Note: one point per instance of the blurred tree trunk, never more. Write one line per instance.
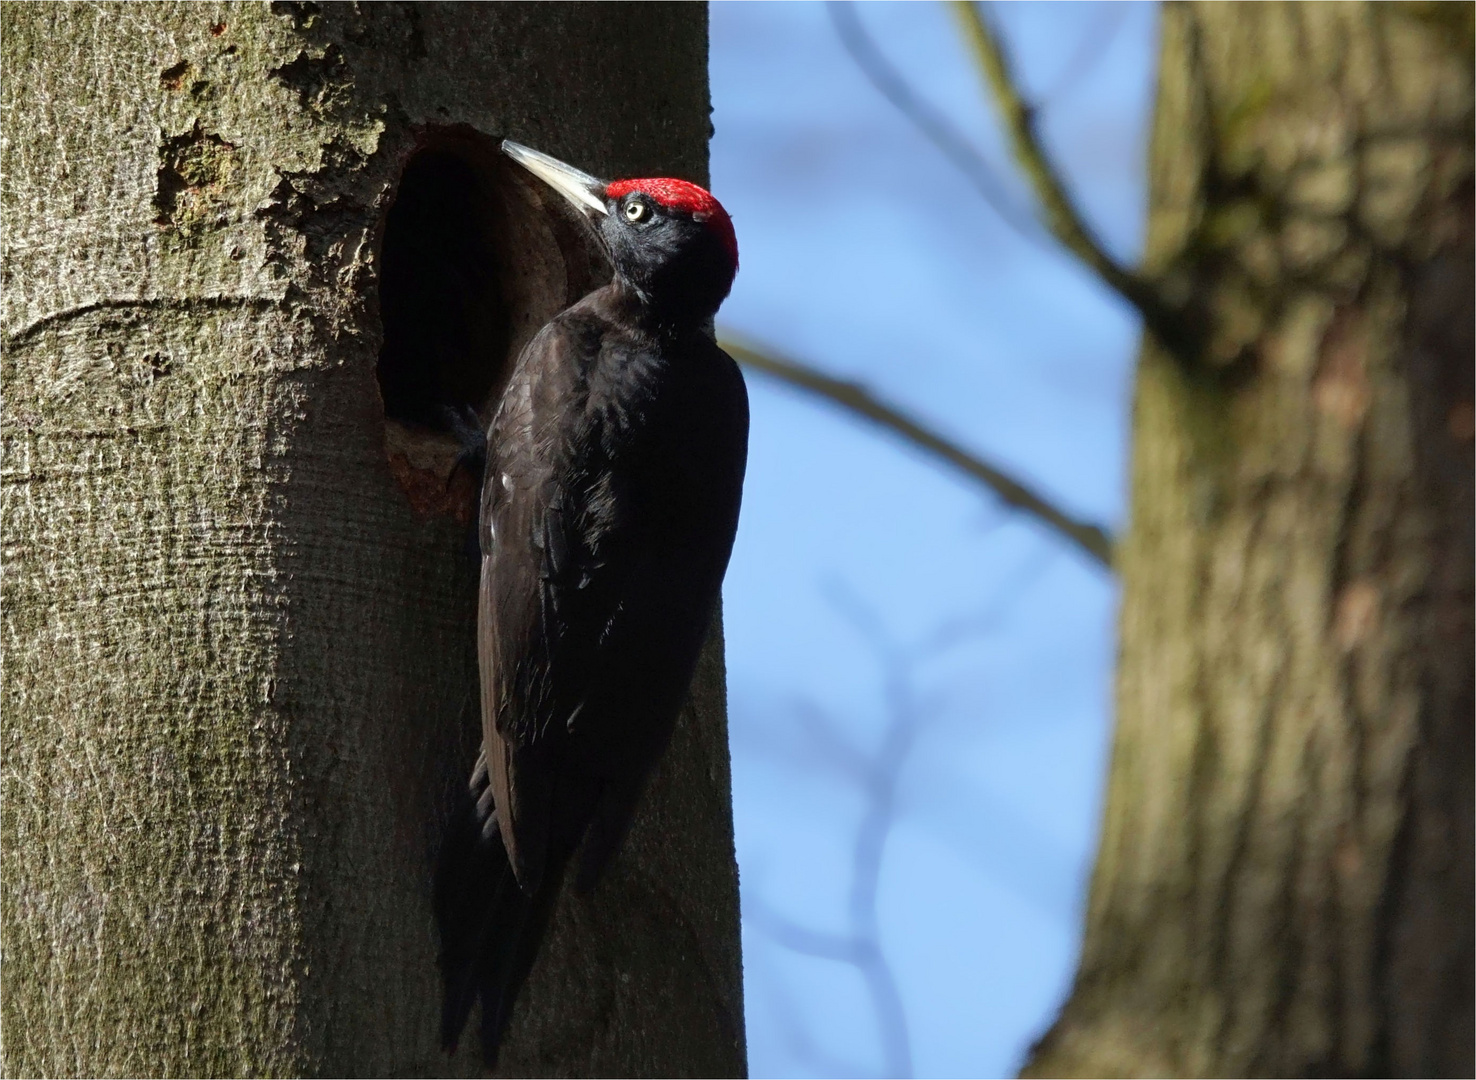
(1284, 885)
(238, 635)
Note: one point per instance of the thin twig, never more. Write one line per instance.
(860, 948)
(1088, 54)
(933, 124)
(878, 774)
(855, 398)
(1061, 215)
(880, 781)
(796, 938)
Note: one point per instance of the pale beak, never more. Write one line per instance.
(585, 192)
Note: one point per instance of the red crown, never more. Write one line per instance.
(687, 198)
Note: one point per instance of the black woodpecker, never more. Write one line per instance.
(614, 470)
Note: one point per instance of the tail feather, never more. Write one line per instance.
(490, 929)
(499, 978)
(482, 916)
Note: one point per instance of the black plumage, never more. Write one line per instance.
(614, 469)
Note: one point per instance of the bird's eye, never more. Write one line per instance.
(635, 210)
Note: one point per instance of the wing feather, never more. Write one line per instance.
(534, 651)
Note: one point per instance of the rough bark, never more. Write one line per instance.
(1284, 886)
(238, 636)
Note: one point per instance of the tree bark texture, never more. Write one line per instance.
(240, 682)
(1284, 886)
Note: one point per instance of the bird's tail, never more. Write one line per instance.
(490, 929)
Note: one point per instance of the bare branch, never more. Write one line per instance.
(832, 746)
(800, 939)
(855, 398)
(1061, 215)
(1097, 39)
(957, 631)
(934, 125)
(862, 951)
(879, 778)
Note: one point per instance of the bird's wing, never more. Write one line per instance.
(548, 587)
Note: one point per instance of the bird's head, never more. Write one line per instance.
(669, 240)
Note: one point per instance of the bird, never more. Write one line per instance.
(610, 496)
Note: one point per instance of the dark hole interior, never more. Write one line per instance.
(446, 321)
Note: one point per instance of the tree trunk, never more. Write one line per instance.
(240, 683)
(1284, 885)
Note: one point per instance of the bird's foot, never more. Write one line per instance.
(464, 423)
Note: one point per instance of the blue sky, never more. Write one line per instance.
(872, 592)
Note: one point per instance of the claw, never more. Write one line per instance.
(464, 423)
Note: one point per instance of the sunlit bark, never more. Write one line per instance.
(238, 636)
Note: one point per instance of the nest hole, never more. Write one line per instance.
(475, 257)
